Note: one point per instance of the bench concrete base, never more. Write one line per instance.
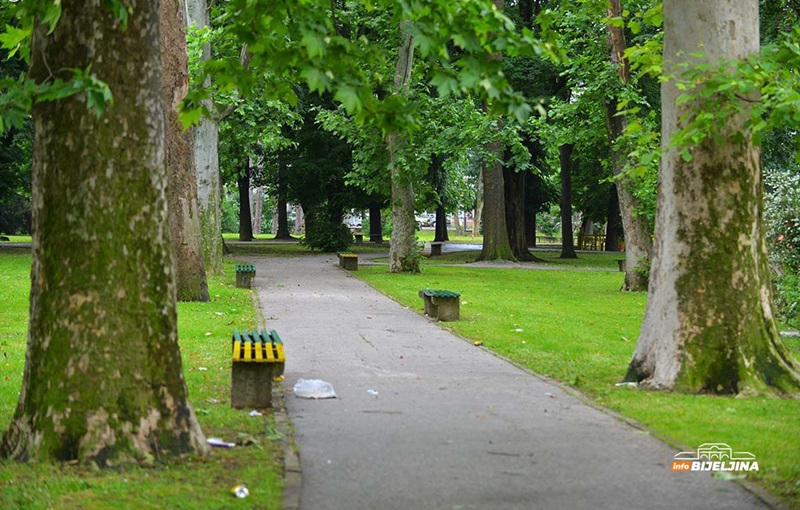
(443, 308)
(348, 261)
(436, 249)
(359, 238)
(244, 280)
(251, 385)
(244, 275)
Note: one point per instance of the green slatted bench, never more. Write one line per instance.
(348, 260)
(443, 305)
(244, 275)
(257, 359)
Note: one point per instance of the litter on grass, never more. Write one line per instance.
(215, 441)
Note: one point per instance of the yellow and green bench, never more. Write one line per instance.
(257, 359)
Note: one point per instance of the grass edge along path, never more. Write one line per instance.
(204, 332)
(579, 329)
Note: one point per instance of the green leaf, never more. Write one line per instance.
(16, 40)
(348, 96)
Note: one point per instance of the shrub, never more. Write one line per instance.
(323, 236)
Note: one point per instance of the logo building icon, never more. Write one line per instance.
(714, 457)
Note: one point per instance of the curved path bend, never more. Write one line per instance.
(425, 420)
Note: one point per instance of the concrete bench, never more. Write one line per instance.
(257, 359)
(443, 305)
(244, 275)
(348, 260)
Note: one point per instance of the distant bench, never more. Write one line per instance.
(348, 260)
(443, 305)
(244, 275)
(258, 358)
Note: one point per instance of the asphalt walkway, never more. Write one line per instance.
(425, 420)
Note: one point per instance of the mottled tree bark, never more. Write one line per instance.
(184, 213)
(402, 245)
(258, 212)
(495, 233)
(567, 237)
(102, 381)
(206, 157)
(638, 241)
(459, 228)
(708, 324)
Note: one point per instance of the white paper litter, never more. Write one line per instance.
(215, 441)
(313, 388)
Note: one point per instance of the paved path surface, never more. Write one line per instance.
(451, 426)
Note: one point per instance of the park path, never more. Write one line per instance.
(451, 425)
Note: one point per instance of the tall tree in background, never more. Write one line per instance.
(184, 213)
(206, 157)
(495, 232)
(402, 244)
(708, 324)
(102, 257)
(567, 236)
(638, 243)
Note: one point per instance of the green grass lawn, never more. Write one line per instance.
(204, 331)
(19, 239)
(578, 328)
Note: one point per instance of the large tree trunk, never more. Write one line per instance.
(283, 218)
(206, 157)
(184, 212)
(514, 183)
(299, 221)
(258, 212)
(530, 231)
(440, 227)
(245, 216)
(495, 234)
(613, 221)
(638, 242)
(438, 175)
(375, 224)
(530, 209)
(477, 219)
(402, 245)
(708, 325)
(102, 381)
(567, 237)
(459, 228)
